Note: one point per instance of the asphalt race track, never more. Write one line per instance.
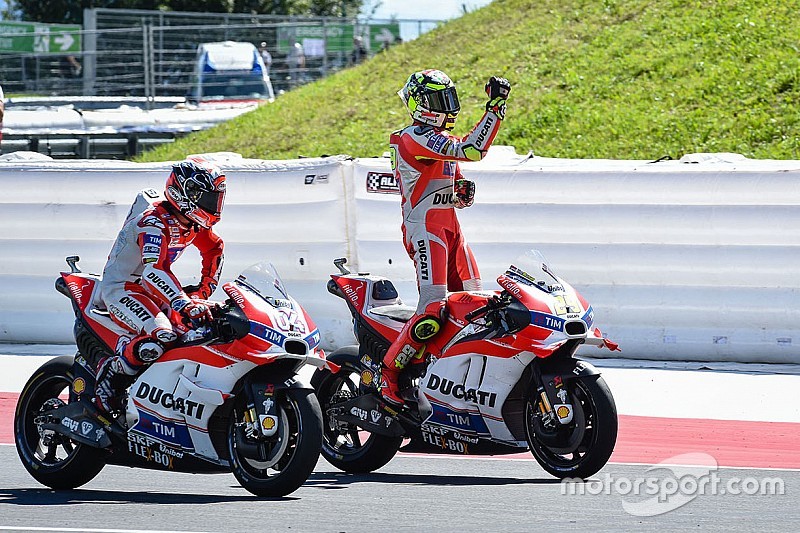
(412, 493)
(743, 452)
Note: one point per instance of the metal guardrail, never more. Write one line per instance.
(153, 53)
(86, 145)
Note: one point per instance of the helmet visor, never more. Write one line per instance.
(208, 201)
(212, 202)
(444, 101)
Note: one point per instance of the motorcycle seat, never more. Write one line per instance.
(399, 312)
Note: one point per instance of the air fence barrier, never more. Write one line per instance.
(682, 260)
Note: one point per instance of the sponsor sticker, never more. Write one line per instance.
(382, 183)
(78, 386)
(436, 142)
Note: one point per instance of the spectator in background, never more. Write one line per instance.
(69, 67)
(359, 53)
(296, 61)
(266, 57)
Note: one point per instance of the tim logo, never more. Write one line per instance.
(382, 183)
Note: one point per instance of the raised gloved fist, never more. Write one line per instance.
(497, 89)
(464, 193)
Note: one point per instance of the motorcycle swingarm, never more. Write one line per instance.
(370, 414)
(79, 422)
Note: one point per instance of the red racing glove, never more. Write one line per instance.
(464, 190)
(195, 312)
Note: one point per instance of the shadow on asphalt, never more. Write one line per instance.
(72, 497)
(338, 480)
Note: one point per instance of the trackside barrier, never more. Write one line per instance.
(682, 260)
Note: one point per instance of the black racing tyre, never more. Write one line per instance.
(582, 447)
(52, 459)
(346, 446)
(291, 454)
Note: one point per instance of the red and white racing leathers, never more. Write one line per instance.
(138, 285)
(425, 164)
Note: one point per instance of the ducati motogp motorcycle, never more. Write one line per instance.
(227, 398)
(500, 377)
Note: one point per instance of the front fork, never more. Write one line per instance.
(550, 377)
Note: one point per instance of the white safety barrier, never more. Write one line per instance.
(66, 119)
(682, 260)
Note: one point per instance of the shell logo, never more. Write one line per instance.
(268, 423)
(562, 411)
(366, 377)
(78, 386)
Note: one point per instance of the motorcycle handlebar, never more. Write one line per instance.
(491, 305)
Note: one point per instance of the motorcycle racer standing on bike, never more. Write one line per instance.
(425, 160)
(138, 285)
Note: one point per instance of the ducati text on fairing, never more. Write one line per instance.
(226, 398)
(500, 377)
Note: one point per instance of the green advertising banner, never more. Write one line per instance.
(332, 38)
(39, 38)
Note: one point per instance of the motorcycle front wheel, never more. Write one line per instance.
(280, 464)
(347, 446)
(51, 458)
(582, 447)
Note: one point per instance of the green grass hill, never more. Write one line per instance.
(619, 79)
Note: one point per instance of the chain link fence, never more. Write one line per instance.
(154, 53)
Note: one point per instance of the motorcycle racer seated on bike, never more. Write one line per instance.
(138, 286)
(425, 160)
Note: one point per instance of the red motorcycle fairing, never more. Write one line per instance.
(355, 294)
(82, 291)
(271, 327)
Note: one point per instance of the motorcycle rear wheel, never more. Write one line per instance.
(291, 454)
(52, 459)
(581, 448)
(346, 446)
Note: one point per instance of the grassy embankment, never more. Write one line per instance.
(621, 79)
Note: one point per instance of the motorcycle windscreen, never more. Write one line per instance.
(532, 269)
(263, 279)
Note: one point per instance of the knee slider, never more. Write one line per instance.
(148, 350)
(425, 328)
